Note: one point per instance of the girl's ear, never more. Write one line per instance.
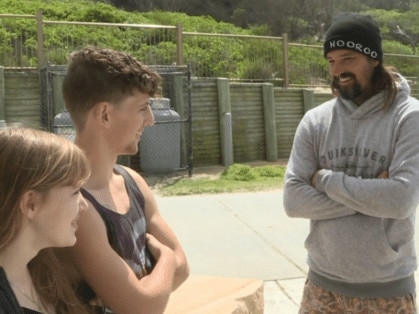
(30, 202)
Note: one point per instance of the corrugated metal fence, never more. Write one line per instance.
(253, 136)
(21, 102)
(264, 113)
(253, 140)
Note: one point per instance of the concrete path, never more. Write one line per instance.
(244, 235)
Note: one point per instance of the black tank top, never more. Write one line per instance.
(29, 311)
(126, 232)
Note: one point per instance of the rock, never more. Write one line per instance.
(220, 295)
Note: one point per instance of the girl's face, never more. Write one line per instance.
(56, 220)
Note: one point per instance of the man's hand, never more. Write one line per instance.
(158, 249)
(313, 178)
(383, 175)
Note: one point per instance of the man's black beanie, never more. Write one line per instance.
(356, 32)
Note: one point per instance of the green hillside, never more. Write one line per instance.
(91, 11)
(209, 56)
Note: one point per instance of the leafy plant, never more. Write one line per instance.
(238, 172)
(209, 56)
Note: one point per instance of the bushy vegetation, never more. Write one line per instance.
(235, 178)
(209, 56)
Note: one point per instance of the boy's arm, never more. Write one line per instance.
(158, 227)
(112, 279)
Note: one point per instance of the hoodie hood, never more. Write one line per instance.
(403, 87)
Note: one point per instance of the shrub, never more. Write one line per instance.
(238, 172)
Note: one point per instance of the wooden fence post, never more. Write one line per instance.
(40, 38)
(179, 44)
(285, 59)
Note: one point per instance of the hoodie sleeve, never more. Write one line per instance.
(396, 197)
(300, 198)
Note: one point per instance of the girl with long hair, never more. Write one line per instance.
(40, 179)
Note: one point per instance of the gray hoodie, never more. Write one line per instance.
(361, 239)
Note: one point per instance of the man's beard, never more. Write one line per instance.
(348, 92)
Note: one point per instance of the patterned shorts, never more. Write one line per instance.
(317, 300)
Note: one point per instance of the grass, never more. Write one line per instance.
(235, 178)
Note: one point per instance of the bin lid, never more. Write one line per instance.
(160, 103)
(63, 118)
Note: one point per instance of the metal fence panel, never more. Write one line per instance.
(18, 37)
(149, 44)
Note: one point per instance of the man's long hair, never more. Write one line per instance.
(382, 79)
